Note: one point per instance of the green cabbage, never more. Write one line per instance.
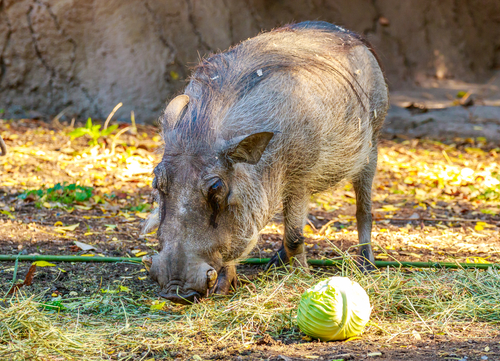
(334, 309)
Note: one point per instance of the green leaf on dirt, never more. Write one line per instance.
(157, 305)
(124, 289)
(110, 227)
(8, 214)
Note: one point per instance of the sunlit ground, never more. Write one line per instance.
(432, 202)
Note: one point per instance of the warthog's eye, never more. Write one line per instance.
(216, 196)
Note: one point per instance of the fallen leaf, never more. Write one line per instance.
(84, 208)
(142, 215)
(124, 289)
(476, 260)
(43, 264)
(109, 291)
(71, 227)
(157, 305)
(83, 246)
(8, 214)
(389, 208)
(140, 254)
(110, 227)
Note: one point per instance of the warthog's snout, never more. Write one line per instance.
(185, 299)
(187, 288)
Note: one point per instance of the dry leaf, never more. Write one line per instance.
(71, 227)
(43, 264)
(83, 246)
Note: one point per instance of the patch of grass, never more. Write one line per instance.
(124, 323)
(61, 193)
(93, 131)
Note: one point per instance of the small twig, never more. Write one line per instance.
(325, 227)
(113, 144)
(127, 325)
(418, 314)
(111, 115)
(446, 156)
(14, 277)
(132, 119)
(77, 320)
(312, 225)
(55, 121)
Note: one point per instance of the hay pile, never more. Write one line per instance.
(124, 326)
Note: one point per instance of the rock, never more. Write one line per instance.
(457, 121)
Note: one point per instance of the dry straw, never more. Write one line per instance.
(122, 325)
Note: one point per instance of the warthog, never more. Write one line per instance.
(266, 124)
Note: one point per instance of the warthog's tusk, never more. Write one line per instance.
(147, 261)
(211, 278)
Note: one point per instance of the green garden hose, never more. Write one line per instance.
(313, 262)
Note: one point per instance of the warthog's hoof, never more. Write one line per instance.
(279, 259)
(365, 265)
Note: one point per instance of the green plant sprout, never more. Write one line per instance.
(61, 193)
(93, 131)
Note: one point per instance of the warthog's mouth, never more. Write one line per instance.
(189, 293)
(188, 299)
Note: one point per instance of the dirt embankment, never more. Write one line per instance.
(89, 55)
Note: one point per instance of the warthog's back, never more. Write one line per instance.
(316, 85)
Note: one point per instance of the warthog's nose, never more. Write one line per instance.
(188, 299)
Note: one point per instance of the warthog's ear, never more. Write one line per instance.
(247, 148)
(174, 109)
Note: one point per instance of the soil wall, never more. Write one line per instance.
(89, 54)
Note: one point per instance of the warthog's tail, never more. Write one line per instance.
(3, 147)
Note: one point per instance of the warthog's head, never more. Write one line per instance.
(207, 198)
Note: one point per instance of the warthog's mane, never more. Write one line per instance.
(220, 81)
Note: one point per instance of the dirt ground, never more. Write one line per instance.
(426, 208)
